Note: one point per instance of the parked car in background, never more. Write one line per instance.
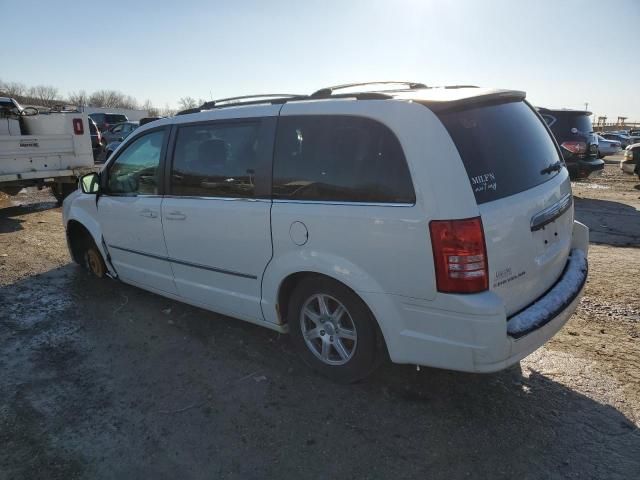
(633, 139)
(635, 132)
(484, 262)
(631, 160)
(624, 140)
(144, 121)
(105, 121)
(119, 132)
(607, 147)
(574, 133)
(96, 139)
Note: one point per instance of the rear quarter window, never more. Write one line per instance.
(504, 148)
(115, 119)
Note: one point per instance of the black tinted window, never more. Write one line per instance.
(566, 121)
(339, 158)
(215, 160)
(504, 148)
(115, 118)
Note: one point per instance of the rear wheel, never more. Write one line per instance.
(333, 331)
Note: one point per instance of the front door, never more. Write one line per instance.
(217, 216)
(129, 214)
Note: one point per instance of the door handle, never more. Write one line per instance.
(148, 213)
(175, 216)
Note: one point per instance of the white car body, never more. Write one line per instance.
(233, 255)
(56, 147)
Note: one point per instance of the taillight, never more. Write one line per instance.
(78, 127)
(460, 255)
(575, 147)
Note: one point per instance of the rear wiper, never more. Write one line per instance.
(554, 167)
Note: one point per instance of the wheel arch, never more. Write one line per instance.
(289, 282)
(82, 217)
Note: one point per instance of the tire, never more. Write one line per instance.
(344, 349)
(62, 191)
(92, 260)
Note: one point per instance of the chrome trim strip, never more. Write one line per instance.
(362, 204)
(188, 264)
(225, 199)
(548, 215)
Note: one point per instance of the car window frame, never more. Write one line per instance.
(264, 155)
(104, 177)
(347, 202)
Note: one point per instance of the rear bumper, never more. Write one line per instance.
(475, 335)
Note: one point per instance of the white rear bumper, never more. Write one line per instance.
(474, 336)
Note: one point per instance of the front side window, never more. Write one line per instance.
(339, 158)
(135, 171)
(215, 160)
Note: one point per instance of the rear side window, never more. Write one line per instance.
(97, 117)
(504, 148)
(215, 160)
(339, 158)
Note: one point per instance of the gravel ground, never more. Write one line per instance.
(103, 380)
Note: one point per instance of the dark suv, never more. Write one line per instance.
(104, 121)
(579, 145)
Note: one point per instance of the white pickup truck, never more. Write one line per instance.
(43, 149)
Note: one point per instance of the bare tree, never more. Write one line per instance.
(107, 98)
(45, 95)
(129, 102)
(79, 99)
(14, 89)
(167, 111)
(151, 110)
(185, 103)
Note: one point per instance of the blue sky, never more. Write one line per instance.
(557, 51)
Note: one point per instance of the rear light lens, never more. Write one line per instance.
(575, 147)
(460, 255)
(78, 126)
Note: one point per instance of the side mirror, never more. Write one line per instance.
(90, 183)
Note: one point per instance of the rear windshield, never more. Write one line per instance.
(114, 118)
(504, 148)
(564, 122)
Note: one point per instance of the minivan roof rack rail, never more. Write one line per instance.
(328, 91)
(244, 100)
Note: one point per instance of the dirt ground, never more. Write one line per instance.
(103, 380)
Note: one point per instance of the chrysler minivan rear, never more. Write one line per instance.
(513, 274)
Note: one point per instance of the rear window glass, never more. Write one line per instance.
(504, 148)
(564, 122)
(115, 118)
(339, 158)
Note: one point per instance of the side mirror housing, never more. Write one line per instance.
(90, 183)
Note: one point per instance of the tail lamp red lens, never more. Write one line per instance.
(460, 255)
(78, 126)
(575, 147)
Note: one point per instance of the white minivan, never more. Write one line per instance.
(434, 226)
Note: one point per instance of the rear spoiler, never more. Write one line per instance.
(499, 96)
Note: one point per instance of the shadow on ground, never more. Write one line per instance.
(611, 223)
(103, 380)
(8, 211)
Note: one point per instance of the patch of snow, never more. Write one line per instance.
(38, 304)
(566, 288)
